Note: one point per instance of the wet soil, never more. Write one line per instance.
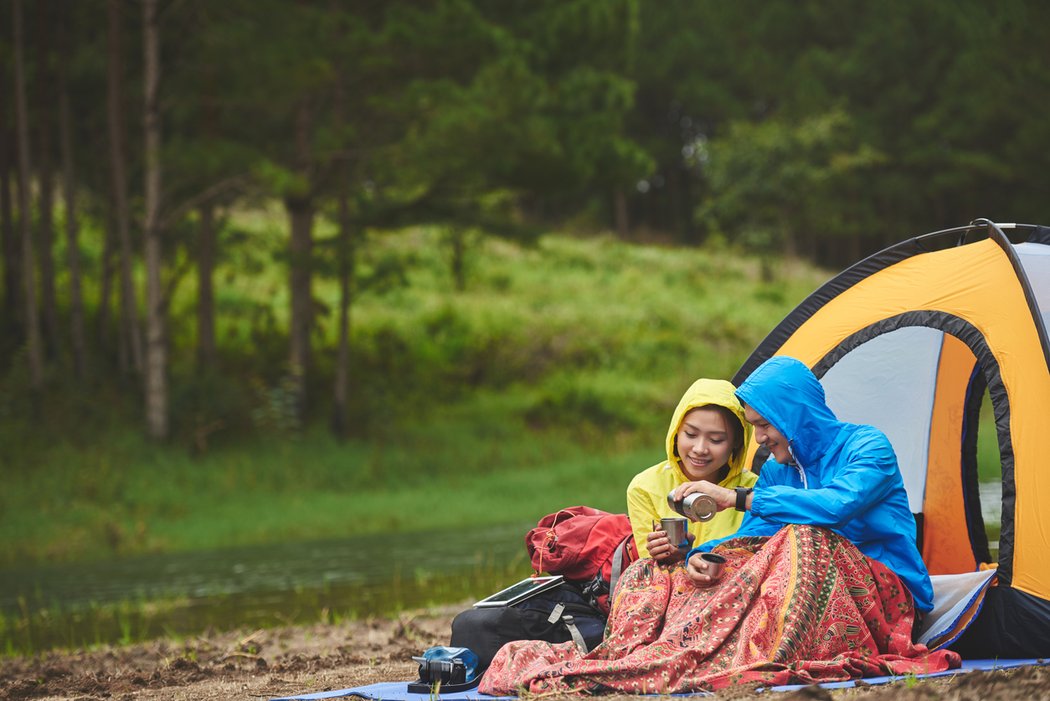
(277, 662)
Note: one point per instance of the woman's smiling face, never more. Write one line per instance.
(704, 443)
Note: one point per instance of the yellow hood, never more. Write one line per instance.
(701, 393)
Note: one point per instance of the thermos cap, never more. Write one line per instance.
(696, 506)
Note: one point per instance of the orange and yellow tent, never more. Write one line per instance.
(911, 340)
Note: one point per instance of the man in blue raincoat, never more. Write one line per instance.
(821, 472)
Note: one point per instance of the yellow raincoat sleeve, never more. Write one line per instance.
(643, 510)
(647, 502)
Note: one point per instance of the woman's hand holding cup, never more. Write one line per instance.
(660, 547)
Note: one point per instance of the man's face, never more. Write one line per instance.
(767, 435)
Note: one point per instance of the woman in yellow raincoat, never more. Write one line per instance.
(706, 440)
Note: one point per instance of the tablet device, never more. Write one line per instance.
(516, 593)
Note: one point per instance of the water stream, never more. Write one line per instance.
(137, 598)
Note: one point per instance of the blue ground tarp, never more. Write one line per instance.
(398, 691)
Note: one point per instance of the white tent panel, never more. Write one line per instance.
(889, 383)
(1035, 259)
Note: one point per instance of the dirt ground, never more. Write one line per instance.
(306, 659)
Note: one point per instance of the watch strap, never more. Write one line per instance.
(741, 497)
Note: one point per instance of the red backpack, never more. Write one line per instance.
(588, 546)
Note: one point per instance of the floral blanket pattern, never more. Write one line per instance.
(803, 606)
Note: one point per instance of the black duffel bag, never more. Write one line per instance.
(556, 616)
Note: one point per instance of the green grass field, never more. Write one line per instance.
(548, 381)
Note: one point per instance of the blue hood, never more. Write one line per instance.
(786, 394)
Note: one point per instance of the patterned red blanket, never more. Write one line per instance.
(804, 606)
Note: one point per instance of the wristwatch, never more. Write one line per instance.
(741, 497)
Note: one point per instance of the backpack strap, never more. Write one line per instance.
(617, 566)
(570, 624)
(577, 637)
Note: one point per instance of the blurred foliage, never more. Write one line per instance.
(556, 369)
(431, 148)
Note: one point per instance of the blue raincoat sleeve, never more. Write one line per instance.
(866, 476)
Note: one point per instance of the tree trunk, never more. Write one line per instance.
(207, 236)
(623, 224)
(105, 293)
(156, 351)
(457, 240)
(681, 204)
(346, 292)
(206, 246)
(345, 256)
(790, 242)
(129, 309)
(76, 296)
(9, 244)
(45, 181)
(854, 252)
(301, 213)
(33, 341)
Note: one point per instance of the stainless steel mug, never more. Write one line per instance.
(676, 528)
(715, 563)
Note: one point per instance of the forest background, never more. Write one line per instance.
(279, 270)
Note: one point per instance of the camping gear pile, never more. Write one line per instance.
(589, 548)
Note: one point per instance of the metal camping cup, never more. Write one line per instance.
(676, 527)
(697, 506)
(714, 564)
